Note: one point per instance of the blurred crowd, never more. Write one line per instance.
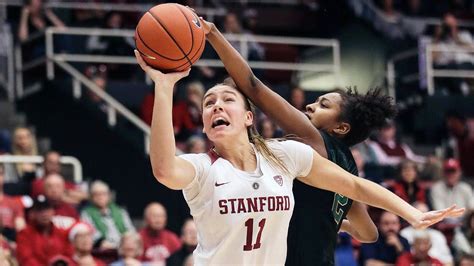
(47, 219)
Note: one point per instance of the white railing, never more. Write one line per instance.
(427, 70)
(431, 72)
(242, 39)
(76, 164)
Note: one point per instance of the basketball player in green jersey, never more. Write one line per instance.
(332, 124)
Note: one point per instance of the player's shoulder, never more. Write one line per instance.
(197, 157)
(285, 144)
(332, 142)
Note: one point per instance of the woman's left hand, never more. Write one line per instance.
(206, 25)
(158, 76)
(429, 218)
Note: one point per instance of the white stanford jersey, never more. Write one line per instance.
(242, 218)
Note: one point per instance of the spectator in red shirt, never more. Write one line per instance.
(390, 151)
(407, 186)
(65, 215)
(187, 113)
(12, 216)
(81, 238)
(158, 242)
(52, 165)
(419, 252)
(41, 241)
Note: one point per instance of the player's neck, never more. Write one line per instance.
(240, 154)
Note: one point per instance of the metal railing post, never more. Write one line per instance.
(244, 46)
(337, 63)
(19, 71)
(147, 143)
(429, 69)
(391, 79)
(49, 53)
(111, 116)
(11, 67)
(76, 86)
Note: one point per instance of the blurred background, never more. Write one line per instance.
(75, 111)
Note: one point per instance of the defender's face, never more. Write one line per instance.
(324, 113)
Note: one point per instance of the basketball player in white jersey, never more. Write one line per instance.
(240, 193)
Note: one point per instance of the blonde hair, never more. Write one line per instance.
(261, 144)
(16, 150)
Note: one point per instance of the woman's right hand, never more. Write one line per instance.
(159, 77)
(207, 26)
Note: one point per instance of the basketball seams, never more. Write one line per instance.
(192, 57)
(190, 29)
(151, 49)
(171, 36)
(167, 36)
(203, 41)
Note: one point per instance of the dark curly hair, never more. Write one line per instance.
(364, 112)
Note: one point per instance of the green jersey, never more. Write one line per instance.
(318, 213)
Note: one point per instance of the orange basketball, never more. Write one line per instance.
(170, 37)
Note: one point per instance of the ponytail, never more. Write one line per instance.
(262, 147)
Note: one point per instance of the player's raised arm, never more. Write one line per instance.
(278, 109)
(168, 169)
(326, 175)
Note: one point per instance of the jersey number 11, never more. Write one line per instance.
(248, 244)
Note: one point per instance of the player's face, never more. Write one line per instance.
(324, 113)
(224, 114)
